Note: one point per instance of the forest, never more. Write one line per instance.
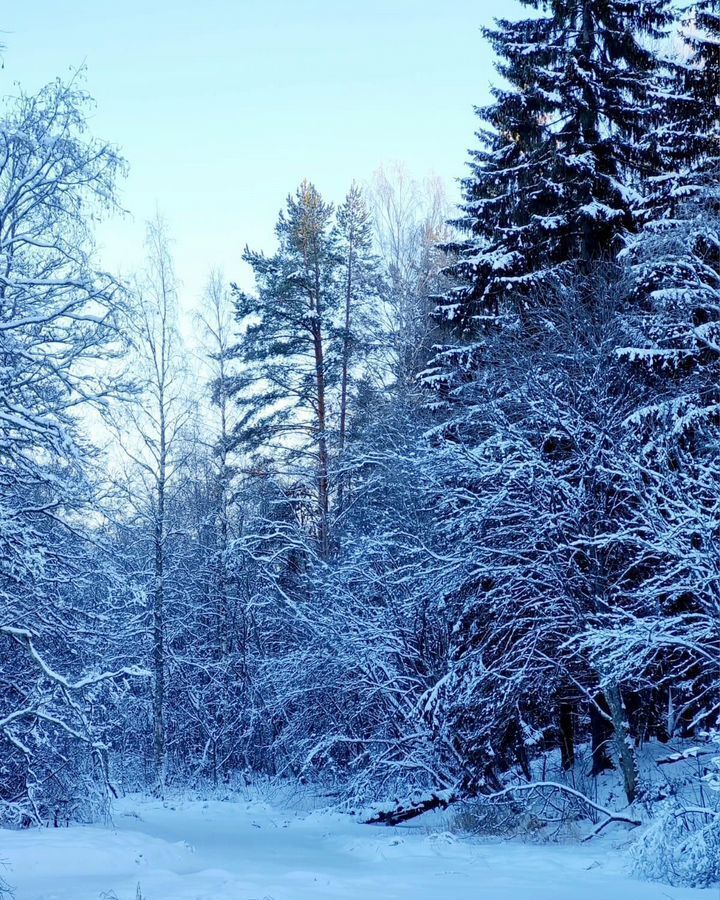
(432, 521)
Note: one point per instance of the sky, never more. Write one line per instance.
(221, 107)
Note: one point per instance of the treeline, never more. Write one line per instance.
(454, 502)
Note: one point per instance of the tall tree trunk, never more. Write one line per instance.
(223, 611)
(345, 367)
(323, 463)
(159, 654)
(323, 458)
(158, 606)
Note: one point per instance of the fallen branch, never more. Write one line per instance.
(400, 813)
(441, 800)
(684, 755)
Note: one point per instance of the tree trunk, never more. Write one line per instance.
(600, 733)
(323, 461)
(158, 607)
(567, 735)
(323, 479)
(621, 741)
(159, 669)
(223, 605)
(345, 369)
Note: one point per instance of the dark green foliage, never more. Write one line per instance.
(555, 184)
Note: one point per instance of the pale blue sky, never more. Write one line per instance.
(222, 107)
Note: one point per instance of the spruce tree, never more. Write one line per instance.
(673, 328)
(555, 182)
(551, 199)
(703, 72)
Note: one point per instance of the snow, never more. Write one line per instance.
(253, 850)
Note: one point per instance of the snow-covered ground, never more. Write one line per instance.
(252, 850)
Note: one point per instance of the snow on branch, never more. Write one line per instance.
(25, 638)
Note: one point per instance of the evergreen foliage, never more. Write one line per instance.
(555, 185)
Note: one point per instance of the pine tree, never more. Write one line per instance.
(358, 280)
(287, 353)
(555, 183)
(355, 229)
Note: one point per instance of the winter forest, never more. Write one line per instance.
(428, 526)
